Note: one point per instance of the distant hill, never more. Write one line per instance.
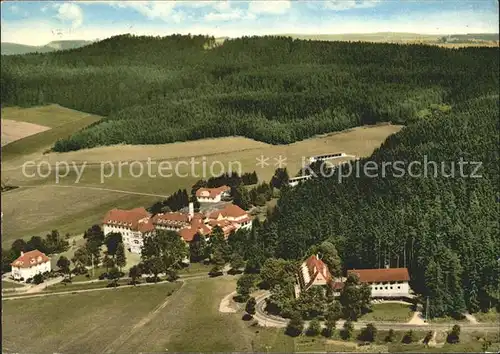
(16, 49)
(401, 37)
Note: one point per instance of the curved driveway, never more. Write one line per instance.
(266, 320)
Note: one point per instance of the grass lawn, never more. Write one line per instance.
(76, 286)
(196, 268)
(83, 323)
(389, 312)
(448, 319)
(81, 277)
(51, 115)
(490, 316)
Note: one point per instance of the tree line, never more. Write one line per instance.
(274, 89)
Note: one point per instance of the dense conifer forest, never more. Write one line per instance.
(443, 228)
(273, 89)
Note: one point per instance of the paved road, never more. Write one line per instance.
(267, 320)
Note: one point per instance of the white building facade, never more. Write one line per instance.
(133, 225)
(385, 282)
(212, 195)
(30, 264)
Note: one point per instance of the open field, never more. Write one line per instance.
(50, 116)
(37, 211)
(73, 207)
(13, 130)
(63, 122)
(388, 312)
(116, 321)
(192, 323)
(10, 285)
(77, 323)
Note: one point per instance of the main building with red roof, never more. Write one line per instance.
(137, 223)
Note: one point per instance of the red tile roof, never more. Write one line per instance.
(381, 275)
(145, 226)
(316, 266)
(173, 218)
(229, 211)
(212, 192)
(197, 226)
(30, 259)
(126, 218)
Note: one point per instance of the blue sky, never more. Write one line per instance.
(38, 23)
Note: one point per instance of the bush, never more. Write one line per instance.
(216, 271)
(327, 331)
(409, 337)
(250, 306)
(368, 334)
(172, 276)
(103, 276)
(454, 336)
(295, 326)
(38, 279)
(428, 337)
(389, 338)
(314, 328)
(241, 298)
(246, 317)
(152, 279)
(346, 332)
(29, 280)
(66, 280)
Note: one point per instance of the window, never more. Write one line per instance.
(376, 288)
(399, 287)
(386, 288)
(391, 287)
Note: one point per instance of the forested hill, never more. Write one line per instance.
(273, 89)
(445, 229)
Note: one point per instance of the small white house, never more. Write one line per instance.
(30, 264)
(212, 195)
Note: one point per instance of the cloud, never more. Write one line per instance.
(163, 10)
(341, 5)
(14, 9)
(224, 16)
(70, 12)
(275, 7)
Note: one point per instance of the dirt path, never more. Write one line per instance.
(470, 318)
(226, 305)
(417, 319)
(39, 288)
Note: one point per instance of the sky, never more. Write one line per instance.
(37, 23)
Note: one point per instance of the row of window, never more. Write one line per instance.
(385, 288)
